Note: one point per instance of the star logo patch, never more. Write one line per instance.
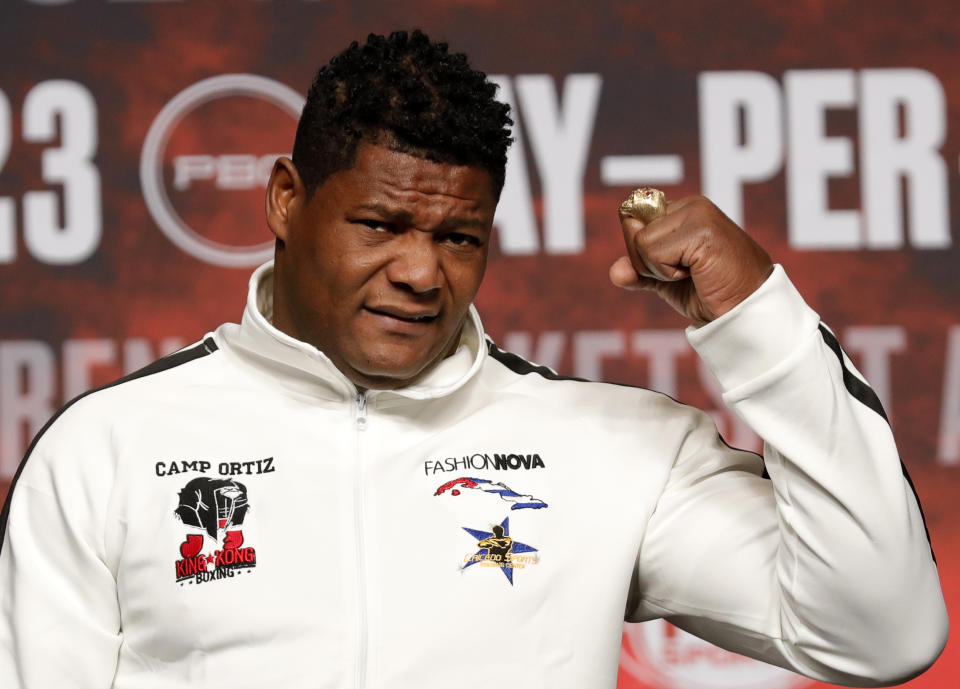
(497, 548)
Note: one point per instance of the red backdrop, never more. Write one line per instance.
(132, 171)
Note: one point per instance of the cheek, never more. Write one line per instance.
(465, 278)
(342, 275)
(348, 268)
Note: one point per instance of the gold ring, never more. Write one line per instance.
(645, 204)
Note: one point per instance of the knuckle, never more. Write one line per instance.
(708, 209)
(639, 239)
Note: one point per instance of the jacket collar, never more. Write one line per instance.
(305, 368)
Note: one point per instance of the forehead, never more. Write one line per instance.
(386, 176)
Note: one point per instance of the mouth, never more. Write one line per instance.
(405, 315)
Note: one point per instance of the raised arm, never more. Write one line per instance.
(825, 567)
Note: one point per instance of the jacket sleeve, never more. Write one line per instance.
(59, 616)
(824, 568)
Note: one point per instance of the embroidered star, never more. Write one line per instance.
(500, 543)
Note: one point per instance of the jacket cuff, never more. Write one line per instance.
(757, 334)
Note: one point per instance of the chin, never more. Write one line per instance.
(396, 370)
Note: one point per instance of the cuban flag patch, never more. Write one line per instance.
(518, 500)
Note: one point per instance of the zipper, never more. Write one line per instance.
(361, 425)
(361, 411)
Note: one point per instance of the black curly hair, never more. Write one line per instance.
(409, 94)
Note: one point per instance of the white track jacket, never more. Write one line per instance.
(237, 515)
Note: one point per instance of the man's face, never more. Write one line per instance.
(379, 267)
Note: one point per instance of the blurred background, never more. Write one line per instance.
(136, 137)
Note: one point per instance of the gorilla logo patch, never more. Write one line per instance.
(213, 510)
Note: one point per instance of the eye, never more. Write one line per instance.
(462, 239)
(377, 225)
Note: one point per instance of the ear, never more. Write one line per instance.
(286, 196)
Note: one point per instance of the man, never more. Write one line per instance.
(359, 388)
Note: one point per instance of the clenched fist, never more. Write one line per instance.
(696, 258)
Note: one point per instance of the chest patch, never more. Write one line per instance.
(501, 490)
(497, 548)
(212, 512)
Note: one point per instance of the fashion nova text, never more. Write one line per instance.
(479, 462)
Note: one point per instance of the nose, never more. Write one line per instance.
(415, 264)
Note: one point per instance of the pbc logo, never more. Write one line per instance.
(206, 160)
(214, 510)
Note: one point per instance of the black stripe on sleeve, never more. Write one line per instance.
(865, 394)
(523, 367)
(208, 346)
(856, 387)
(923, 518)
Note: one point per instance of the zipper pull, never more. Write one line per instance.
(361, 410)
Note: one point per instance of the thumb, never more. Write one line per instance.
(623, 275)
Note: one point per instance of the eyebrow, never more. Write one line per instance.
(386, 212)
(405, 217)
